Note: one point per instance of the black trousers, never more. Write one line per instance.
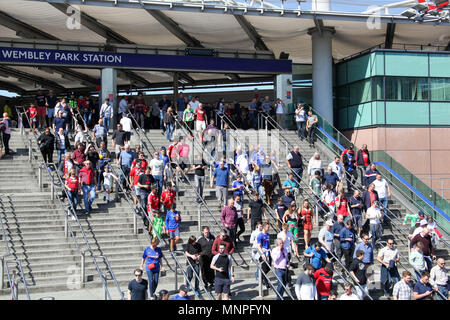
(348, 257)
(6, 137)
(265, 268)
(311, 134)
(351, 178)
(207, 272)
(241, 226)
(48, 155)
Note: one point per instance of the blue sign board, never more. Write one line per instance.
(142, 61)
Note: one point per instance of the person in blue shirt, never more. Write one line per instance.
(172, 224)
(263, 246)
(237, 187)
(163, 156)
(221, 176)
(152, 259)
(316, 254)
(182, 294)
(331, 178)
(259, 157)
(291, 184)
(347, 239)
(125, 160)
(366, 247)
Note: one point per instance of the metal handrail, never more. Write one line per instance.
(382, 243)
(197, 276)
(258, 264)
(433, 208)
(390, 215)
(139, 131)
(68, 224)
(14, 284)
(300, 181)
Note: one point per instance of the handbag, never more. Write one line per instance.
(151, 266)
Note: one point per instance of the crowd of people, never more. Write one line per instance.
(353, 225)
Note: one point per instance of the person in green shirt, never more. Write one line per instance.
(291, 185)
(7, 109)
(414, 217)
(158, 225)
(316, 187)
(188, 118)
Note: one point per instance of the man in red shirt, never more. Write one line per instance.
(324, 281)
(200, 123)
(342, 207)
(141, 157)
(153, 201)
(79, 157)
(135, 172)
(168, 197)
(225, 239)
(88, 183)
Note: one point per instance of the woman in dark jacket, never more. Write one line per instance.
(46, 142)
(169, 123)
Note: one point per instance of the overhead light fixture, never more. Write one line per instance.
(437, 3)
(184, 81)
(409, 13)
(421, 6)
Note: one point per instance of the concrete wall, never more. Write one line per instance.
(423, 151)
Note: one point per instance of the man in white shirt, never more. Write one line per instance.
(388, 257)
(300, 119)
(326, 237)
(126, 126)
(106, 114)
(242, 165)
(374, 215)
(157, 166)
(288, 239)
(254, 243)
(280, 112)
(384, 191)
(348, 295)
(337, 168)
(439, 279)
(194, 103)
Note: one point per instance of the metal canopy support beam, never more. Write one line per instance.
(175, 29)
(93, 25)
(390, 33)
(133, 77)
(319, 25)
(22, 29)
(11, 87)
(251, 32)
(185, 76)
(235, 10)
(23, 75)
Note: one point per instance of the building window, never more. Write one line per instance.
(406, 89)
(440, 89)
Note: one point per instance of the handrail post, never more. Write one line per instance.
(176, 276)
(21, 124)
(199, 218)
(2, 273)
(30, 152)
(66, 224)
(40, 177)
(83, 267)
(134, 224)
(106, 288)
(52, 188)
(261, 290)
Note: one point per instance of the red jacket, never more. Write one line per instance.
(152, 202)
(229, 247)
(323, 281)
(168, 198)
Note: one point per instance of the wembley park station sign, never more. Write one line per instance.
(87, 59)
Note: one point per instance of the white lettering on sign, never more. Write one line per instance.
(63, 57)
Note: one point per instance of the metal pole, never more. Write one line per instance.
(40, 176)
(199, 219)
(30, 152)
(21, 124)
(83, 268)
(106, 288)
(116, 198)
(261, 291)
(52, 188)
(66, 224)
(134, 224)
(2, 274)
(176, 276)
(442, 187)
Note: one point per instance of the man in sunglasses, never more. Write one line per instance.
(137, 288)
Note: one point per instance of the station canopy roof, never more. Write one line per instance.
(220, 25)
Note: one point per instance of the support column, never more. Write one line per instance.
(109, 91)
(283, 91)
(322, 61)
